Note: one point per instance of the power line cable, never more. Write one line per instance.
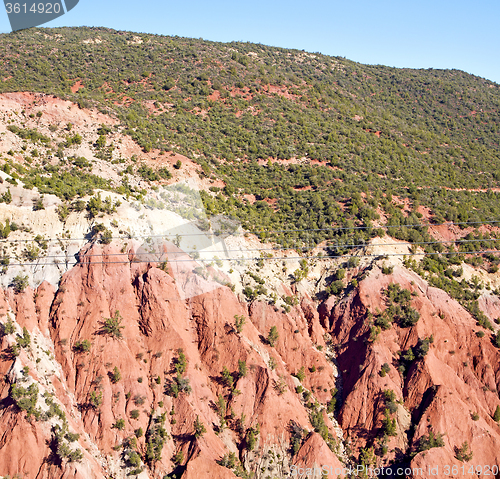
(333, 228)
(287, 258)
(360, 245)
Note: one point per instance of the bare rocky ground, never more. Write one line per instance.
(133, 305)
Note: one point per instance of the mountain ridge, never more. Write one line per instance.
(356, 323)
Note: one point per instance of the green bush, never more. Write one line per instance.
(251, 438)
(388, 424)
(335, 288)
(134, 460)
(156, 436)
(390, 401)
(496, 414)
(242, 368)
(82, 346)
(95, 399)
(332, 403)
(24, 341)
(115, 376)
(8, 327)
(113, 326)
(199, 428)
(72, 436)
(178, 458)
(301, 374)
(5, 198)
(272, 336)
(272, 363)
(227, 378)
(387, 269)
(25, 398)
(181, 362)
(239, 322)
(297, 434)
(5, 230)
(463, 453)
(119, 424)
(134, 414)
(20, 283)
(384, 369)
(179, 384)
(63, 451)
(318, 423)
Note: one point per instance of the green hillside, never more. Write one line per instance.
(377, 130)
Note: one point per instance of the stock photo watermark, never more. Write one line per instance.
(361, 470)
(29, 14)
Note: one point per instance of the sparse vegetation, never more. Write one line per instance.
(62, 448)
(272, 336)
(113, 326)
(119, 424)
(180, 363)
(179, 384)
(26, 398)
(388, 424)
(199, 428)
(95, 399)
(115, 376)
(83, 346)
(134, 414)
(464, 453)
(8, 327)
(280, 385)
(251, 437)
(242, 368)
(429, 441)
(358, 175)
(496, 414)
(301, 374)
(384, 369)
(239, 322)
(20, 283)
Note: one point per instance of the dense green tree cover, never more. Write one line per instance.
(422, 134)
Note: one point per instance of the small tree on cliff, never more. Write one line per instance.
(82, 346)
(463, 453)
(496, 416)
(497, 340)
(273, 336)
(113, 326)
(239, 321)
(115, 376)
(20, 283)
(95, 400)
(199, 428)
(242, 368)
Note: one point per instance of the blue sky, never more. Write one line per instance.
(422, 34)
